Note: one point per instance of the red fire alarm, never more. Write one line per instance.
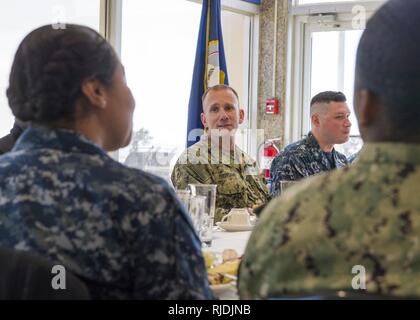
(272, 106)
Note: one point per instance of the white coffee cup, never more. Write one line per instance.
(237, 216)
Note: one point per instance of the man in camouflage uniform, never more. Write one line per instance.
(328, 231)
(315, 153)
(216, 159)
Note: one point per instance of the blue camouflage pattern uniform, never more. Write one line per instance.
(119, 229)
(353, 157)
(367, 214)
(301, 159)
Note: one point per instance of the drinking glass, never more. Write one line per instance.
(207, 221)
(184, 196)
(285, 185)
(196, 210)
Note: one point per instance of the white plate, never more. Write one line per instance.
(234, 227)
(219, 288)
(225, 291)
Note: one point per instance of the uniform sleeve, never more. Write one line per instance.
(168, 264)
(285, 168)
(259, 193)
(276, 175)
(190, 266)
(184, 174)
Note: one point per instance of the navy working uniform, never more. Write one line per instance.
(302, 159)
(119, 229)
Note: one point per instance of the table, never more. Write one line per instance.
(228, 240)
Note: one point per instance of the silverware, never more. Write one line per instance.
(229, 276)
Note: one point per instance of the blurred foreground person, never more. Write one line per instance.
(119, 229)
(358, 227)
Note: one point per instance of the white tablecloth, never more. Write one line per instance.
(228, 240)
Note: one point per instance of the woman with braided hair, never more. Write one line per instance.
(119, 229)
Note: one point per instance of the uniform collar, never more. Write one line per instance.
(313, 143)
(225, 157)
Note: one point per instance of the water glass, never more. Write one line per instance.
(196, 209)
(285, 185)
(184, 196)
(207, 221)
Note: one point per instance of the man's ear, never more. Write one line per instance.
(366, 108)
(204, 120)
(95, 93)
(315, 120)
(241, 116)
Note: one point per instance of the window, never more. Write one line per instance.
(332, 68)
(158, 44)
(236, 37)
(324, 39)
(18, 18)
(300, 2)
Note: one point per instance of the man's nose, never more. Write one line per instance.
(347, 123)
(223, 115)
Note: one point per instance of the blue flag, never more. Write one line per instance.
(210, 63)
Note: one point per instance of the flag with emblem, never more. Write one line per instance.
(210, 65)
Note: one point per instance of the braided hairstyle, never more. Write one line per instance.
(50, 67)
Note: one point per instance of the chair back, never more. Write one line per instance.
(24, 276)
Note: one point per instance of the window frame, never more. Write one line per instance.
(111, 29)
(301, 23)
(54, 13)
(253, 12)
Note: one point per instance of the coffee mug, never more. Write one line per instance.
(237, 216)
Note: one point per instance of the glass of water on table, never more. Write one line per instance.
(207, 220)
